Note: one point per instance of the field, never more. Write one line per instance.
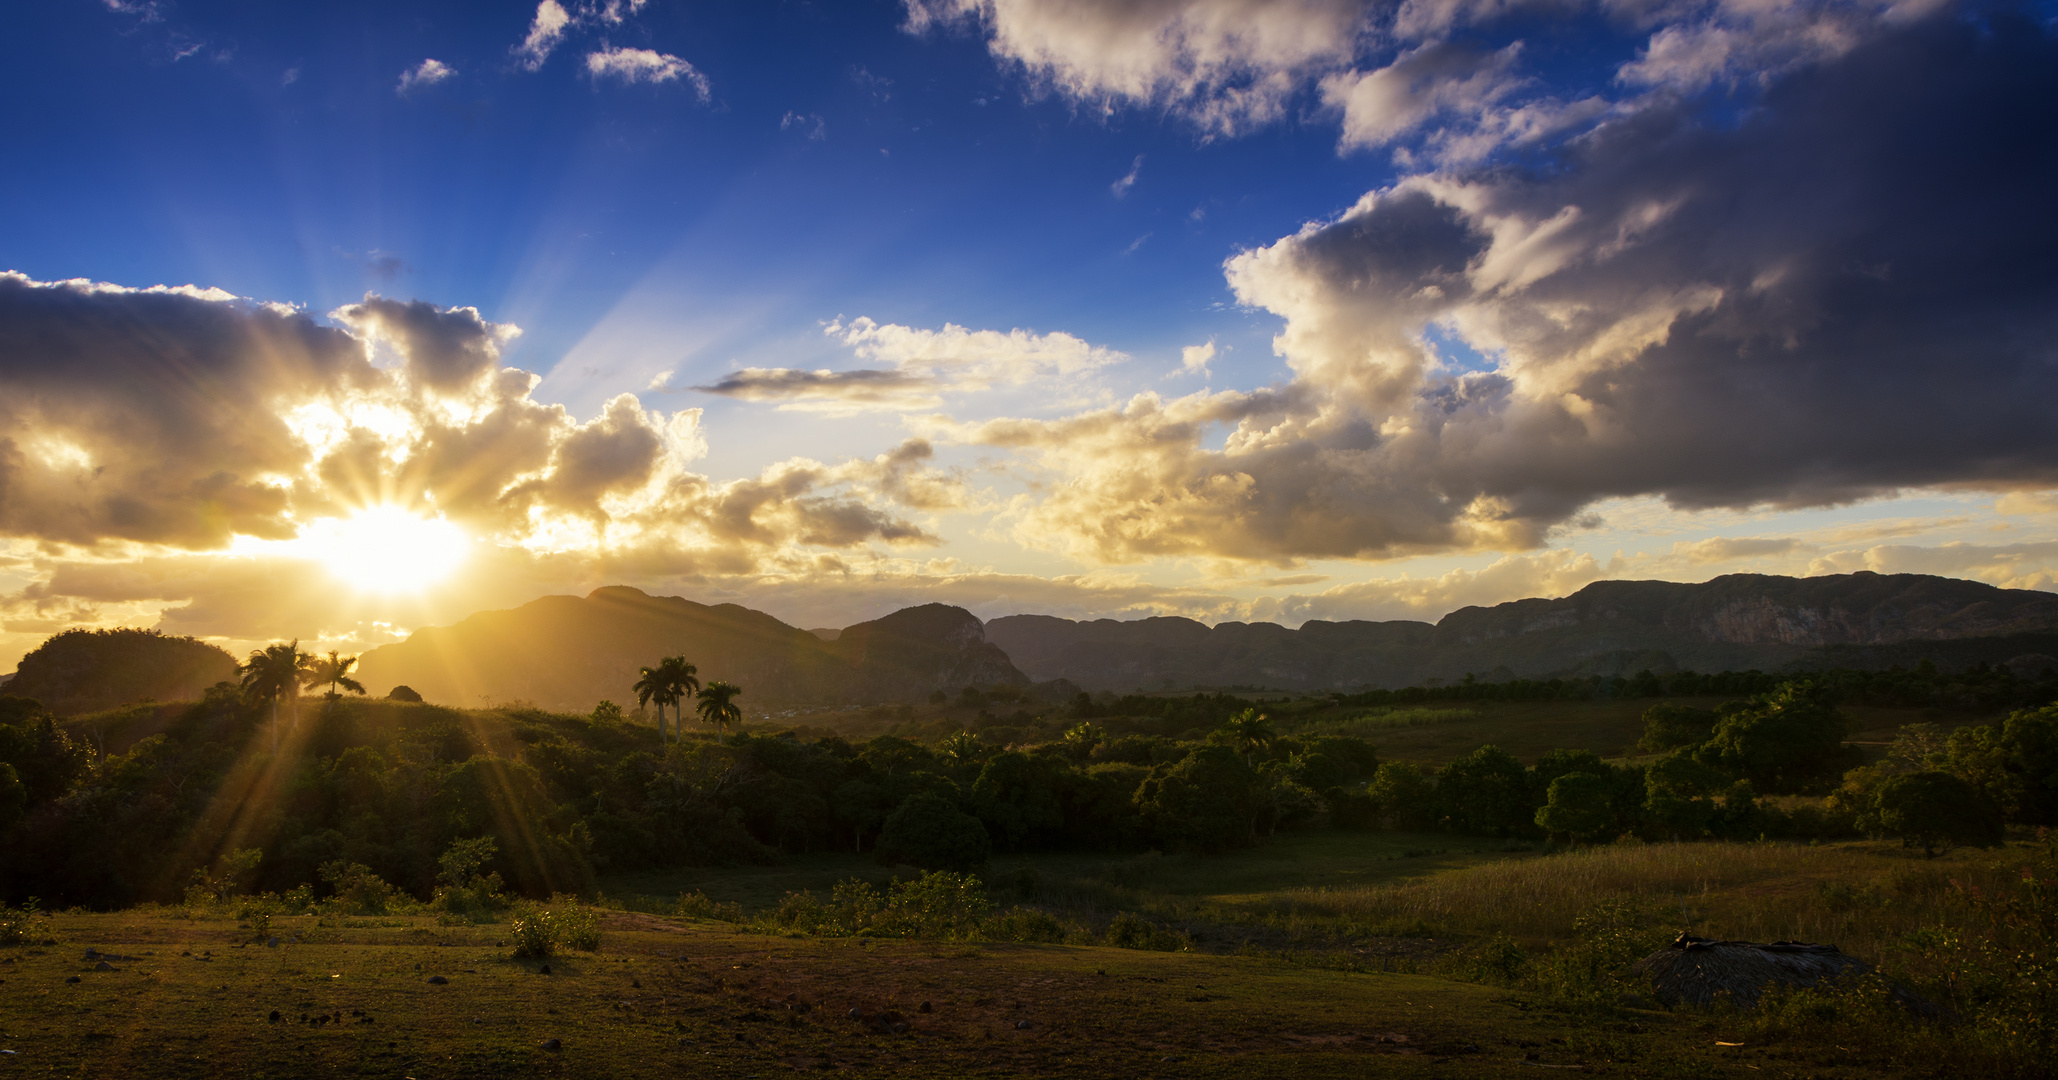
(1282, 977)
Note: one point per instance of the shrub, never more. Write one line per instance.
(17, 922)
(696, 905)
(357, 889)
(1026, 925)
(538, 931)
(1129, 930)
(939, 904)
(930, 833)
(464, 893)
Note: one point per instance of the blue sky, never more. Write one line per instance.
(1366, 264)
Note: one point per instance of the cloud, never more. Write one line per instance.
(810, 124)
(644, 66)
(184, 418)
(546, 30)
(921, 366)
(1439, 77)
(428, 73)
(1839, 295)
(1128, 180)
(1194, 358)
(1226, 65)
(1720, 549)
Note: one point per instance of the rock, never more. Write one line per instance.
(271, 943)
(925, 1007)
(897, 1028)
(438, 980)
(854, 1014)
(274, 1017)
(1023, 1025)
(544, 970)
(551, 1044)
(92, 954)
(103, 966)
(72, 979)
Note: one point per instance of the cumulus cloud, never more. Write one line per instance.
(645, 66)
(546, 30)
(185, 418)
(1840, 295)
(920, 367)
(1227, 65)
(427, 73)
(1194, 358)
(1380, 106)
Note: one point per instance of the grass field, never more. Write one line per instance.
(668, 997)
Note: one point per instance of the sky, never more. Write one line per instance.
(332, 322)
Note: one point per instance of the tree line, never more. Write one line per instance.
(240, 786)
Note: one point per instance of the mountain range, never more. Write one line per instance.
(569, 652)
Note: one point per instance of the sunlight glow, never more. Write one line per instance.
(386, 549)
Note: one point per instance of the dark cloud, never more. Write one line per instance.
(778, 384)
(151, 415)
(1842, 290)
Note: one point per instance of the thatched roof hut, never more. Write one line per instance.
(1695, 970)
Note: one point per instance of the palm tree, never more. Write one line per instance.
(332, 671)
(717, 706)
(683, 681)
(1250, 731)
(274, 673)
(962, 748)
(654, 686)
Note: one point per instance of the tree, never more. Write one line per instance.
(1207, 801)
(963, 748)
(717, 706)
(1486, 791)
(273, 674)
(2015, 765)
(929, 832)
(1579, 807)
(607, 712)
(654, 684)
(1403, 796)
(1937, 810)
(1016, 796)
(1249, 731)
(1782, 741)
(332, 671)
(404, 693)
(683, 681)
(1668, 726)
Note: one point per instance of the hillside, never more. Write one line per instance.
(1737, 622)
(81, 671)
(568, 652)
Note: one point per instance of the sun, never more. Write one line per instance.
(386, 549)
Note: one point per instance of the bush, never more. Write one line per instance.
(930, 833)
(357, 890)
(539, 931)
(1026, 925)
(463, 892)
(696, 905)
(939, 904)
(1129, 930)
(16, 923)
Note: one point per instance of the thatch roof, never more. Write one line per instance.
(1695, 970)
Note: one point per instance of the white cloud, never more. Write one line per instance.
(919, 366)
(1227, 65)
(645, 66)
(1194, 358)
(546, 30)
(427, 73)
(811, 124)
(1128, 180)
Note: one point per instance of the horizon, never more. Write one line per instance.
(335, 325)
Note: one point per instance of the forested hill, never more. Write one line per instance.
(1737, 622)
(567, 652)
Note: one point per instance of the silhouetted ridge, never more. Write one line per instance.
(1736, 622)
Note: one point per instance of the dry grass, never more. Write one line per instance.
(1861, 896)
